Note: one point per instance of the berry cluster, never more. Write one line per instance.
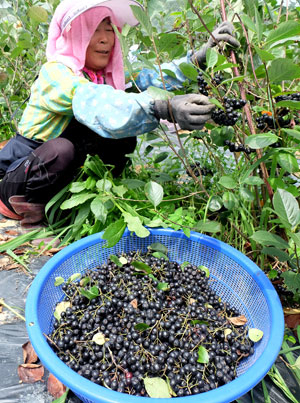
(266, 121)
(197, 170)
(202, 85)
(290, 97)
(149, 323)
(233, 147)
(217, 79)
(228, 117)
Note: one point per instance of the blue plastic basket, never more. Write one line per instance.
(235, 278)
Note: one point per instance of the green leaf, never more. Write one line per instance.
(259, 25)
(284, 30)
(158, 93)
(38, 14)
(216, 133)
(267, 239)
(134, 224)
(286, 206)
(189, 71)
(227, 182)
(296, 238)
(248, 22)
(211, 58)
(265, 56)
(215, 203)
(283, 70)
(140, 266)
(167, 41)
(160, 255)
(230, 201)
(133, 183)
(291, 105)
(77, 187)
(99, 210)
(154, 193)
(141, 327)
(116, 260)
(163, 286)
(281, 255)
(208, 226)
(114, 232)
(292, 133)
(161, 157)
(203, 356)
(157, 388)
(158, 247)
(292, 281)
(257, 141)
(90, 294)
(205, 269)
(76, 200)
(74, 277)
(246, 194)
(255, 335)
(143, 18)
(104, 185)
(288, 162)
(58, 281)
(253, 181)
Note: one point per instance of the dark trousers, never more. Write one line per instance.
(52, 165)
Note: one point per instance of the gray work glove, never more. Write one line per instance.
(224, 32)
(190, 111)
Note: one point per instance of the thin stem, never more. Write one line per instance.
(12, 309)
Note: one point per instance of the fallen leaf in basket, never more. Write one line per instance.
(134, 303)
(238, 320)
(55, 387)
(292, 321)
(30, 373)
(29, 355)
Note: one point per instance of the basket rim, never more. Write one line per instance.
(89, 390)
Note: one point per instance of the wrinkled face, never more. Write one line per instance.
(100, 47)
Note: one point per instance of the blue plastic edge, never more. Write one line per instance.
(223, 394)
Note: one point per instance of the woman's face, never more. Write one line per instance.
(100, 47)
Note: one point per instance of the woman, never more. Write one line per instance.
(78, 106)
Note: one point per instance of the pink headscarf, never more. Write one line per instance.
(70, 47)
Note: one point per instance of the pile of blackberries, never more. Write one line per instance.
(290, 97)
(234, 147)
(197, 169)
(152, 324)
(228, 117)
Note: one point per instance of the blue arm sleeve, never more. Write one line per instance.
(148, 77)
(113, 113)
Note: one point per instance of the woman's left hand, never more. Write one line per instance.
(224, 33)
